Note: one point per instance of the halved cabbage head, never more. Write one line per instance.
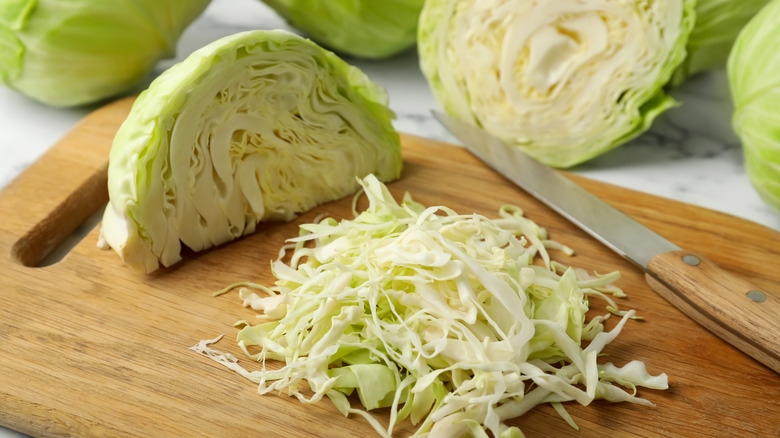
(256, 126)
(361, 28)
(565, 80)
(73, 52)
(755, 88)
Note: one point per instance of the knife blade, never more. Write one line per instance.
(733, 309)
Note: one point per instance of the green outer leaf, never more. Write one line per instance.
(471, 99)
(15, 13)
(13, 16)
(362, 28)
(11, 54)
(718, 23)
(755, 88)
(67, 53)
(182, 170)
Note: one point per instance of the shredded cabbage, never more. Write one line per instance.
(457, 322)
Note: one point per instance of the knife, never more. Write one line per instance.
(739, 313)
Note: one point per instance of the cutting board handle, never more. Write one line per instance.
(61, 190)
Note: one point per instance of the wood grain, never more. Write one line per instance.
(89, 348)
(720, 302)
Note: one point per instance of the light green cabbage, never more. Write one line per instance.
(361, 28)
(718, 23)
(457, 322)
(73, 52)
(753, 68)
(256, 126)
(565, 80)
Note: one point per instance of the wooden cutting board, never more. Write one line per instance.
(89, 348)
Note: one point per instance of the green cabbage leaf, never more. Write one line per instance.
(718, 22)
(755, 88)
(256, 126)
(368, 29)
(456, 322)
(565, 80)
(74, 52)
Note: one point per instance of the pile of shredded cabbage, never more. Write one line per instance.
(457, 322)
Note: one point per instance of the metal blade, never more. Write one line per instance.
(610, 226)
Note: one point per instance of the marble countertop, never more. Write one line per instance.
(691, 153)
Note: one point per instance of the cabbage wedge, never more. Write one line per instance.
(565, 80)
(256, 126)
(74, 52)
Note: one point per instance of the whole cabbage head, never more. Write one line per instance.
(752, 69)
(74, 52)
(368, 29)
(566, 80)
(256, 126)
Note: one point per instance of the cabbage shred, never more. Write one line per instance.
(457, 322)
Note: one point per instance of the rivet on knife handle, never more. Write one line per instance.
(730, 307)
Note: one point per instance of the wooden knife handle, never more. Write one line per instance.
(741, 314)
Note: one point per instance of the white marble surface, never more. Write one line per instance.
(690, 154)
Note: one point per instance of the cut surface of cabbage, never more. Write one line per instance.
(256, 126)
(566, 80)
(457, 322)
